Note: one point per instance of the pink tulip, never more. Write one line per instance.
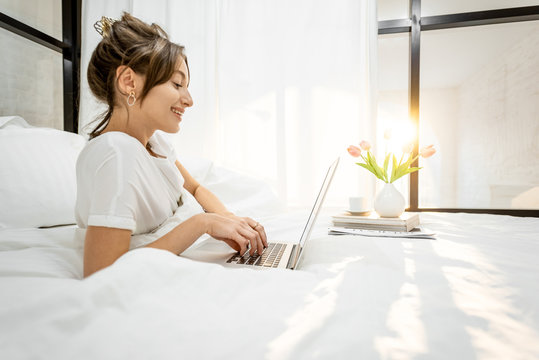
(427, 151)
(365, 145)
(354, 151)
(408, 148)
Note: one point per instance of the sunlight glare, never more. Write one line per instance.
(403, 133)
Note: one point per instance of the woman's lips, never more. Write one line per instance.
(178, 112)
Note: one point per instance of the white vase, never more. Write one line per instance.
(389, 202)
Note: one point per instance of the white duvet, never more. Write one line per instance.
(472, 293)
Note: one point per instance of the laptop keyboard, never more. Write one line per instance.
(270, 256)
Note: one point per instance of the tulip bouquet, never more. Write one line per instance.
(398, 169)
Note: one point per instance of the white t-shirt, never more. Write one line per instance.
(120, 185)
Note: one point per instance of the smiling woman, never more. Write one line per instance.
(128, 179)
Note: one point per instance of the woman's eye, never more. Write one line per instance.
(177, 85)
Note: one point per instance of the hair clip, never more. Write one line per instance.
(104, 25)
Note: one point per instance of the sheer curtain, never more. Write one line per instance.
(281, 87)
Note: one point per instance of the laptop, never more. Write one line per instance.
(284, 255)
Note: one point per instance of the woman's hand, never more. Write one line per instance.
(255, 225)
(239, 233)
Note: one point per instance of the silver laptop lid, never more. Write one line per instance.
(314, 212)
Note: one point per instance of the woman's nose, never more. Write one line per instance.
(186, 99)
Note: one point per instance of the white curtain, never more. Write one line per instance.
(281, 87)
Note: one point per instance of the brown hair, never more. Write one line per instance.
(131, 42)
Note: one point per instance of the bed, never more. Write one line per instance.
(472, 293)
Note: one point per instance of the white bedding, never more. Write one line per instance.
(472, 293)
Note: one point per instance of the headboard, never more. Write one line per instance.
(41, 83)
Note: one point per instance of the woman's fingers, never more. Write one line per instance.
(262, 232)
(239, 243)
(260, 243)
(255, 225)
(241, 238)
(253, 238)
(233, 244)
(246, 245)
(259, 240)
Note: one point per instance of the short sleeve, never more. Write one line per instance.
(112, 197)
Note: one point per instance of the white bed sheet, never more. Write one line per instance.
(470, 294)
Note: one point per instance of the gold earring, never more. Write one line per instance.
(131, 99)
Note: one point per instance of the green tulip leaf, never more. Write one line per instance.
(394, 169)
(369, 168)
(386, 164)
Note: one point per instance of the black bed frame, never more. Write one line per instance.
(71, 45)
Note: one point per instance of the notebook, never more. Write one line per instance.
(406, 222)
(284, 255)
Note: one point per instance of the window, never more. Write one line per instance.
(474, 76)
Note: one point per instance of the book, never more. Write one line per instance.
(415, 233)
(406, 222)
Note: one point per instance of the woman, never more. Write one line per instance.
(128, 180)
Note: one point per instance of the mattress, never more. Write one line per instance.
(470, 294)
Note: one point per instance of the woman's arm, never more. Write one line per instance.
(208, 201)
(211, 204)
(103, 245)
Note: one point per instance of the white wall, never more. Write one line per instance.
(30, 74)
(499, 130)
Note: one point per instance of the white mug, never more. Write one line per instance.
(359, 204)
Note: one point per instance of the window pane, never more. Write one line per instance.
(32, 82)
(393, 9)
(479, 106)
(43, 15)
(393, 55)
(441, 7)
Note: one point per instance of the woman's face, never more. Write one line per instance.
(164, 105)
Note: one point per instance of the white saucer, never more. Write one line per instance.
(359, 213)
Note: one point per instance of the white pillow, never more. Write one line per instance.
(242, 194)
(198, 167)
(38, 185)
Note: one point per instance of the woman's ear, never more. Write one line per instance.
(126, 79)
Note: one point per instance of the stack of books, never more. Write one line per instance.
(404, 223)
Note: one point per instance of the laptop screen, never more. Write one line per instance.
(316, 209)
